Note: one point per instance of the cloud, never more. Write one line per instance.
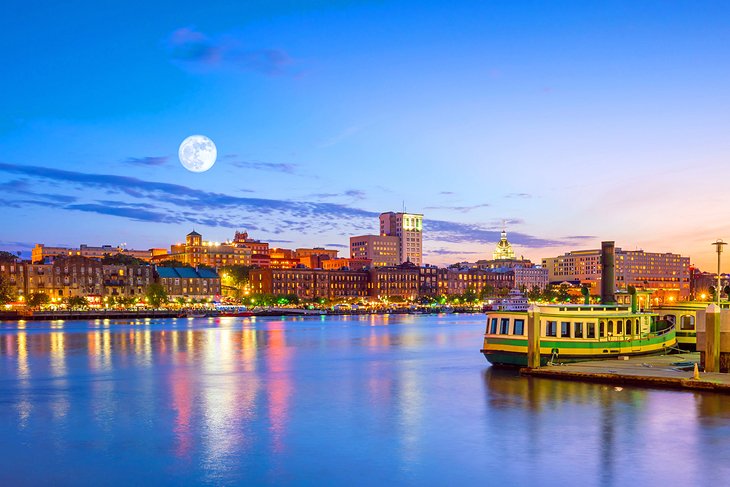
(266, 166)
(157, 202)
(448, 252)
(580, 237)
(147, 161)
(446, 192)
(351, 193)
(461, 209)
(337, 245)
(454, 232)
(518, 195)
(190, 47)
(21, 186)
(343, 135)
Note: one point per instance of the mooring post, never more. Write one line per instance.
(712, 338)
(533, 337)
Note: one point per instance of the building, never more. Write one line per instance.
(457, 280)
(530, 277)
(186, 283)
(381, 250)
(428, 280)
(259, 250)
(408, 228)
(402, 280)
(665, 273)
(346, 263)
(310, 284)
(196, 252)
(127, 281)
(12, 271)
(42, 253)
(283, 259)
(314, 258)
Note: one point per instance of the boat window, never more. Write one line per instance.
(591, 330)
(519, 327)
(578, 330)
(493, 326)
(551, 328)
(687, 322)
(629, 331)
(602, 329)
(565, 329)
(619, 327)
(671, 319)
(504, 326)
(610, 328)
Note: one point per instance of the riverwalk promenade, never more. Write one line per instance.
(673, 371)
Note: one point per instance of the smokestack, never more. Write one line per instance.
(608, 275)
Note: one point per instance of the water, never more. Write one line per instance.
(327, 401)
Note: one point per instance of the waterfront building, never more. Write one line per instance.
(457, 280)
(196, 252)
(12, 271)
(188, 283)
(702, 283)
(310, 284)
(428, 280)
(402, 280)
(665, 273)
(408, 228)
(41, 252)
(66, 276)
(127, 281)
(315, 258)
(530, 277)
(381, 250)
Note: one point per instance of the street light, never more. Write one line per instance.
(718, 244)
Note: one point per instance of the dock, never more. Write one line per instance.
(658, 371)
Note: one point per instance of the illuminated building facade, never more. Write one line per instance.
(128, 281)
(310, 284)
(666, 273)
(195, 252)
(402, 280)
(259, 250)
(41, 252)
(381, 250)
(457, 280)
(351, 264)
(188, 283)
(408, 228)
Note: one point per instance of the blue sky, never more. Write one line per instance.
(574, 121)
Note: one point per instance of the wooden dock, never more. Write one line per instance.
(658, 371)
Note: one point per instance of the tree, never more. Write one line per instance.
(486, 292)
(7, 256)
(156, 294)
(121, 259)
(36, 300)
(549, 294)
(6, 291)
(563, 295)
(77, 302)
(470, 295)
(534, 294)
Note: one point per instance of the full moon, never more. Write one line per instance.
(197, 153)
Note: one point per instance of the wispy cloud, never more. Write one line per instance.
(149, 201)
(518, 195)
(266, 166)
(337, 245)
(147, 161)
(447, 193)
(190, 47)
(448, 252)
(460, 209)
(350, 193)
(22, 187)
(341, 136)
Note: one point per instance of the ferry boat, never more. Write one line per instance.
(686, 316)
(570, 333)
(515, 301)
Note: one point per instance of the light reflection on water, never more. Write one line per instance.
(327, 400)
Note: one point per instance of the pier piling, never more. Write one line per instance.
(712, 330)
(533, 337)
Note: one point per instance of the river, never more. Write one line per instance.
(347, 400)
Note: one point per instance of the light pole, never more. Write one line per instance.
(718, 244)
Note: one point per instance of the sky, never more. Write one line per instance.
(573, 121)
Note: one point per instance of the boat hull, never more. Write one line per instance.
(512, 351)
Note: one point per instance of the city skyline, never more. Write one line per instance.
(574, 123)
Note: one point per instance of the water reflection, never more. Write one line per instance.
(379, 399)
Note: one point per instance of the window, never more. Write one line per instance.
(629, 330)
(578, 330)
(610, 327)
(519, 327)
(504, 326)
(565, 329)
(687, 322)
(619, 327)
(602, 329)
(493, 326)
(551, 328)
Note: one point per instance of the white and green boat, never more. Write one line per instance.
(570, 333)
